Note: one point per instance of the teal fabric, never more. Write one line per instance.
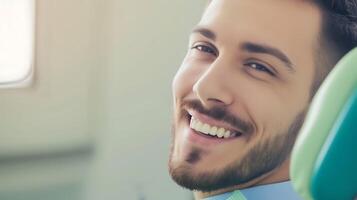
(324, 110)
(276, 191)
(335, 175)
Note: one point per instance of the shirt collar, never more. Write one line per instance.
(283, 190)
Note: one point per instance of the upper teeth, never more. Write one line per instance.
(210, 130)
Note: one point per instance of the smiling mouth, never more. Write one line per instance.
(214, 132)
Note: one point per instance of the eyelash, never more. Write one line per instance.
(205, 49)
(260, 67)
(253, 65)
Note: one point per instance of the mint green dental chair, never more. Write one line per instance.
(324, 158)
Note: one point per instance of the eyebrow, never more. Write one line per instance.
(251, 47)
(205, 32)
(265, 49)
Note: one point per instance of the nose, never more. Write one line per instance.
(211, 88)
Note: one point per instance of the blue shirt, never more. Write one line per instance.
(275, 191)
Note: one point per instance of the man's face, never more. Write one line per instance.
(242, 90)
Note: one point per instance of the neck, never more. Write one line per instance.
(278, 175)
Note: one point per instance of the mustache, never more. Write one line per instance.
(219, 113)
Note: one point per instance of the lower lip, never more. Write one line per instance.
(199, 138)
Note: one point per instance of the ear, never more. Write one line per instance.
(324, 158)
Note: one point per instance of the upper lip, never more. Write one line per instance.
(211, 121)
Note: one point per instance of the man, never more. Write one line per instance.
(244, 87)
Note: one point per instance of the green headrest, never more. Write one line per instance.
(324, 158)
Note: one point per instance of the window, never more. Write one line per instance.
(17, 27)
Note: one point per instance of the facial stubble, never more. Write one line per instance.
(261, 159)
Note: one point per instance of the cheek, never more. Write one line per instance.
(267, 108)
(178, 86)
(183, 81)
(274, 112)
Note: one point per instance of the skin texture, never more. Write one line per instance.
(226, 71)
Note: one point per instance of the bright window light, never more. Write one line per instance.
(17, 27)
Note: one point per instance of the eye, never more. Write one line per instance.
(260, 67)
(205, 49)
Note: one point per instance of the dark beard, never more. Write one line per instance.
(260, 160)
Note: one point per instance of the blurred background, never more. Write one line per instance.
(92, 120)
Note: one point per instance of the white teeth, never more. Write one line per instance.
(220, 134)
(199, 126)
(227, 134)
(213, 130)
(206, 129)
(221, 131)
(210, 130)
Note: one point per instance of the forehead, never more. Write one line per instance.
(292, 26)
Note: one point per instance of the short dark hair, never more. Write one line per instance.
(340, 23)
(338, 35)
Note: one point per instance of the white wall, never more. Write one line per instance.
(143, 45)
(53, 112)
(103, 71)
